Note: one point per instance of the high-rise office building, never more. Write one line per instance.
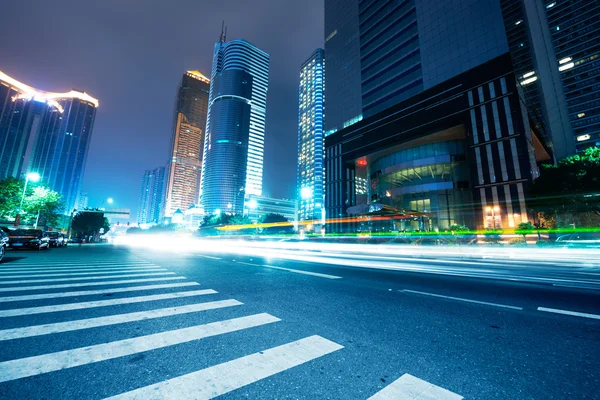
(342, 46)
(311, 108)
(536, 67)
(44, 132)
(189, 125)
(235, 55)
(151, 196)
(575, 29)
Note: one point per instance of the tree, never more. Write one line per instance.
(11, 190)
(275, 219)
(134, 230)
(571, 186)
(47, 203)
(524, 228)
(89, 223)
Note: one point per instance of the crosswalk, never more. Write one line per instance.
(74, 287)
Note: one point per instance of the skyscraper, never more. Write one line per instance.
(44, 132)
(575, 31)
(536, 67)
(311, 108)
(342, 46)
(151, 196)
(189, 126)
(235, 55)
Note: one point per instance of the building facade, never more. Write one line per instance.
(575, 29)
(48, 133)
(537, 69)
(461, 152)
(227, 143)
(311, 108)
(342, 46)
(151, 196)
(259, 206)
(241, 55)
(189, 126)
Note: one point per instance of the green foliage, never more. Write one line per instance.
(11, 190)
(134, 230)
(524, 228)
(164, 228)
(89, 223)
(273, 219)
(45, 201)
(459, 228)
(573, 185)
(492, 236)
(517, 242)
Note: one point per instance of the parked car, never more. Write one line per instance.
(28, 239)
(3, 244)
(56, 239)
(65, 240)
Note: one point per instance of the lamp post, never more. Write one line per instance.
(33, 177)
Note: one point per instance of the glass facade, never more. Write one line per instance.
(575, 26)
(243, 56)
(311, 100)
(227, 143)
(44, 132)
(189, 126)
(342, 47)
(151, 196)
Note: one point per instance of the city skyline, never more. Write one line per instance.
(136, 82)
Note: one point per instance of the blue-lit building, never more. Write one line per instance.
(311, 109)
(342, 46)
(238, 55)
(227, 142)
(575, 29)
(151, 196)
(44, 132)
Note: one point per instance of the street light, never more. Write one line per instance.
(306, 193)
(110, 200)
(33, 177)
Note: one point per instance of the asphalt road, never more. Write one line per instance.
(95, 321)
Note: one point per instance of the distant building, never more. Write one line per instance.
(234, 144)
(311, 109)
(82, 201)
(342, 49)
(189, 125)
(48, 133)
(259, 206)
(461, 152)
(151, 196)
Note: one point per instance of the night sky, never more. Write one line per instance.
(131, 54)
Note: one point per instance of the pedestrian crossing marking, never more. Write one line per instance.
(36, 365)
(86, 284)
(85, 278)
(223, 378)
(8, 271)
(102, 303)
(38, 330)
(69, 273)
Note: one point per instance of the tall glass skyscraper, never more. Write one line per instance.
(575, 30)
(238, 55)
(189, 126)
(311, 101)
(151, 196)
(44, 132)
(342, 46)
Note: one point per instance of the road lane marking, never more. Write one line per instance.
(92, 292)
(461, 299)
(38, 330)
(55, 264)
(85, 284)
(223, 378)
(69, 273)
(102, 303)
(297, 271)
(576, 286)
(7, 271)
(408, 387)
(36, 365)
(211, 257)
(566, 312)
(84, 278)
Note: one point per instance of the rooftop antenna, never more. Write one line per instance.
(223, 33)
